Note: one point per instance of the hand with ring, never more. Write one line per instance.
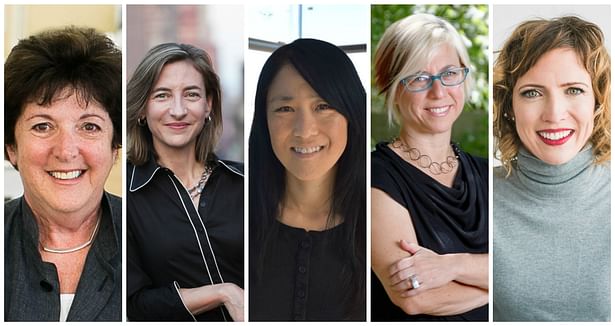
(422, 271)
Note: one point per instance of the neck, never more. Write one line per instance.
(183, 164)
(436, 146)
(307, 204)
(62, 229)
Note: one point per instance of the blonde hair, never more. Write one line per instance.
(528, 42)
(405, 48)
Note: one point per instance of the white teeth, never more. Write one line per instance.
(307, 150)
(65, 175)
(555, 135)
(439, 110)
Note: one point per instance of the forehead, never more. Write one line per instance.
(66, 105)
(179, 72)
(289, 83)
(441, 56)
(561, 65)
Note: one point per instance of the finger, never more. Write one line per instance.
(411, 293)
(410, 247)
(401, 277)
(400, 265)
(403, 286)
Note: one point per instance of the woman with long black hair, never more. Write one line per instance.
(307, 187)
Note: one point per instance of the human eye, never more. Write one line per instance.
(324, 107)
(575, 91)
(450, 73)
(421, 78)
(42, 127)
(530, 93)
(160, 96)
(193, 95)
(91, 127)
(283, 109)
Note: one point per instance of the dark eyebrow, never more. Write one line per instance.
(40, 115)
(166, 89)
(91, 115)
(283, 98)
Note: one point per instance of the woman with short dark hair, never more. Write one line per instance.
(63, 129)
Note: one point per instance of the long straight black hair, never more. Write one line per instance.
(332, 75)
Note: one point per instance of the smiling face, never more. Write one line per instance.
(307, 135)
(64, 155)
(177, 107)
(434, 110)
(553, 104)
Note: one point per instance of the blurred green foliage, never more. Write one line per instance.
(471, 129)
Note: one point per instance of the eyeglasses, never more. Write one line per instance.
(421, 82)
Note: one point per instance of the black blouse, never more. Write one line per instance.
(446, 220)
(172, 246)
(301, 279)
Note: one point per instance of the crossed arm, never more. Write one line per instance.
(450, 284)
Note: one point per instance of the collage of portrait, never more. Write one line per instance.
(293, 162)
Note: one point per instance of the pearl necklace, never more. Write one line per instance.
(424, 161)
(74, 249)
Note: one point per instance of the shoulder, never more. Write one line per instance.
(12, 211)
(115, 207)
(234, 167)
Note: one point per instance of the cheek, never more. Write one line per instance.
(275, 134)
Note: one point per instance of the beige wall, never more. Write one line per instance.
(23, 21)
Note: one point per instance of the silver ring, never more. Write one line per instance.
(415, 282)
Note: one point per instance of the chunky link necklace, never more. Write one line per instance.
(424, 161)
(77, 248)
(198, 188)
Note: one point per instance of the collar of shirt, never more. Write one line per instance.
(141, 175)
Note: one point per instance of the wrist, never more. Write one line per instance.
(454, 263)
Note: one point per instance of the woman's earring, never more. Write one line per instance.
(208, 120)
(141, 122)
(509, 118)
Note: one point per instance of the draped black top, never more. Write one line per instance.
(446, 220)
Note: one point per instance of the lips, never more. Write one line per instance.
(555, 137)
(66, 175)
(307, 150)
(177, 125)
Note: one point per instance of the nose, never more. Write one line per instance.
(178, 109)
(555, 110)
(437, 89)
(305, 124)
(66, 147)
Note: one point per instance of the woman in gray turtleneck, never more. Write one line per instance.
(551, 229)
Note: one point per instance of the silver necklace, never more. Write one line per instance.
(424, 161)
(198, 188)
(77, 248)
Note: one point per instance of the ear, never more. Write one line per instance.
(209, 108)
(11, 150)
(115, 154)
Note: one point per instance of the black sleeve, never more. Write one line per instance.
(384, 178)
(146, 302)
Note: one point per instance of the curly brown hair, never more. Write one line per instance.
(528, 42)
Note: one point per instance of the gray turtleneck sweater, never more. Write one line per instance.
(552, 240)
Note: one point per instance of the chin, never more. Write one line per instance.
(557, 159)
